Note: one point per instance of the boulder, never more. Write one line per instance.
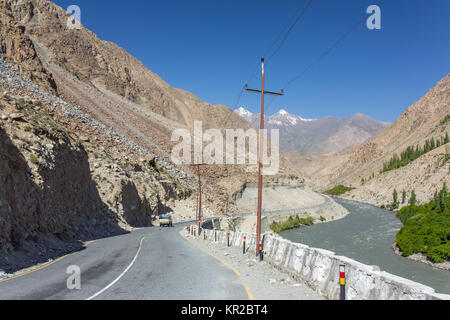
(16, 116)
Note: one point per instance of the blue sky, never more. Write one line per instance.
(210, 48)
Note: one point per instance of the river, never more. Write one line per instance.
(367, 235)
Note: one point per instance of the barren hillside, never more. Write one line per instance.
(359, 167)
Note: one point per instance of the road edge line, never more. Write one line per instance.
(121, 275)
(46, 265)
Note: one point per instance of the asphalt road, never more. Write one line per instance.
(147, 264)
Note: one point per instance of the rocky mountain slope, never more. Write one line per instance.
(329, 134)
(114, 88)
(360, 166)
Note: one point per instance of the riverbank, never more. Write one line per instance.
(422, 258)
(418, 257)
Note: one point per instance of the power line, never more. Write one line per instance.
(325, 54)
(269, 105)
(290, 30)
(254, 73)
(328, 51)
(283, 30)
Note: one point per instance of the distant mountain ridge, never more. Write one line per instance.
(329, 134)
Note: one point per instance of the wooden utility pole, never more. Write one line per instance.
(198, 215)
(260, 154)
(196, 210)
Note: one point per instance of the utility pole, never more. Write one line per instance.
(196, 210)
(260, 154)
(198, 215)
(226, 207)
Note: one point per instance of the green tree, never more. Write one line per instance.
(436, 200)
(403, 197)
(413, 198)
(395, 203)
(443, 195)
(412, 202)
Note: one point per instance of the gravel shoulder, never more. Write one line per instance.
(262, 280)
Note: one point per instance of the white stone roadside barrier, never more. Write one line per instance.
(320, 270)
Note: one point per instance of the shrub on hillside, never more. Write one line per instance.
(338, 190)
(291, 223)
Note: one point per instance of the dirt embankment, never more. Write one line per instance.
(279, 203)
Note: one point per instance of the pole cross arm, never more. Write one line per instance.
(267, 92)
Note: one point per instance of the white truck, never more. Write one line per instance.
(165, 220)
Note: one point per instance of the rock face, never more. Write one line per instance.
(329, 134)
(17, 45)
(52, 205)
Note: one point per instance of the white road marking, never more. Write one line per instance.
(121, 275)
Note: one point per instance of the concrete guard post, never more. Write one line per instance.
(342, 280)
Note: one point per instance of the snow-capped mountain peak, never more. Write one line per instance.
(285, 118)
(281, 118)
(243, 112)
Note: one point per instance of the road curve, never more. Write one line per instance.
(147, 264)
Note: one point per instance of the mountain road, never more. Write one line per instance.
(146, 264)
